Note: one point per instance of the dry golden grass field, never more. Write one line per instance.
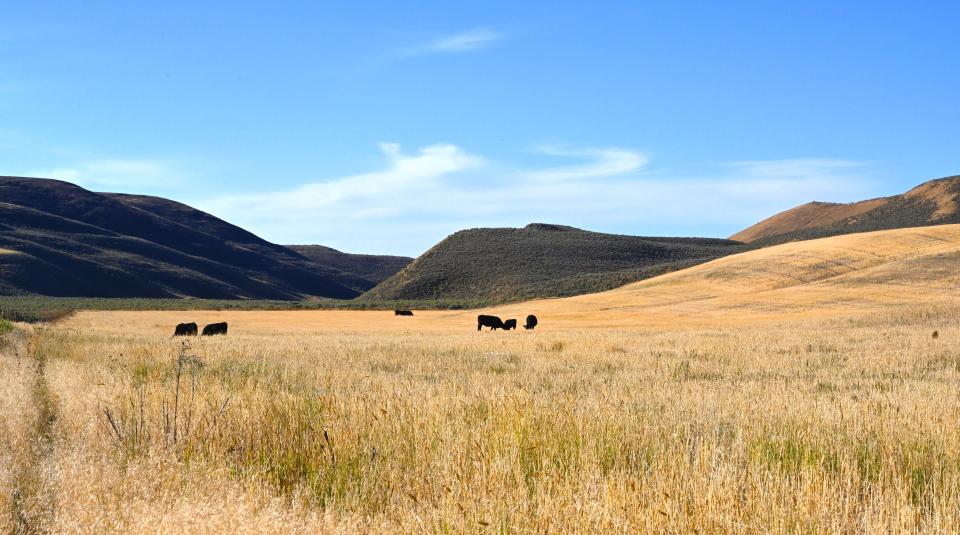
(812, 387)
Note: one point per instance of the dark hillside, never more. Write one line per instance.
(197, 220)
(65, 240)
(539, 260)
(375, 268)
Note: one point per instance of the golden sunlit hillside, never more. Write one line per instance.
(838, 275)
(934, 202)
(847, 274)
(811, 215)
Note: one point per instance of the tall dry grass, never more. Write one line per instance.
(17, 423)
(821, 427)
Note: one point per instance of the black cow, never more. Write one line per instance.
(489, 321)
(510, 324)
(402, 312)
(531, 322)
(215, 328)
(185, 329)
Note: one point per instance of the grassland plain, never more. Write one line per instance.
(807, 388)
(839, 425)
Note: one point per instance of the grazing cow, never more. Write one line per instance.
(510, 324)
(402, 312)
(215, 328)
(531, 322)
(489, 321)
(185, 329)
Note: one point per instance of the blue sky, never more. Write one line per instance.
(383, 127)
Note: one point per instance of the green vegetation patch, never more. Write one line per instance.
(36, 308)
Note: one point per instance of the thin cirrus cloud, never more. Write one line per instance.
(600, 162)
(367, 193)
(468, 41)
(417, 198)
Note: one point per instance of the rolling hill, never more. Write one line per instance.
(539, 260)
(58, 239)
(64, 240)
(897, 273)
(931, 203)
(870, 272)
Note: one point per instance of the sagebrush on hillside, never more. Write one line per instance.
(509, 264)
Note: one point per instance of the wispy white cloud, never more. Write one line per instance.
(129, 174)
(602, 163)
(467, 41)
(461, 42)
(419, 198)
(365, 194)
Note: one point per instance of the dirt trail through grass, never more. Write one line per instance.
(31, 507)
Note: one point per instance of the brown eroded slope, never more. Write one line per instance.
(931, 203)
(811, 215)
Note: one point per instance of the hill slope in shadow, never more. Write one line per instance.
(68, 241)
(374, 268)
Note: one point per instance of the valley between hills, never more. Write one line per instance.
(749, 386)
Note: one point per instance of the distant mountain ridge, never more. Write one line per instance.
(375, 268)
(932, 203)
(540, 260)
(68, 241)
